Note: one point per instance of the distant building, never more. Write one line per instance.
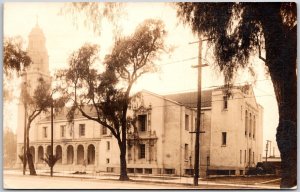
(163, 144)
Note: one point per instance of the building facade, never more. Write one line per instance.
(163, 142)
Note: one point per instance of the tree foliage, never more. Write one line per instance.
(94, 13)
(237, 30)
(51, 160)
(104, 96)
(36, 101)
(15, 59)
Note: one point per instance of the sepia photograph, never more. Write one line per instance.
(149, 95)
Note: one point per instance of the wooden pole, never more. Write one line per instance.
(51, 158)
(197, 143)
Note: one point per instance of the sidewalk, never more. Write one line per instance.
(141, 178)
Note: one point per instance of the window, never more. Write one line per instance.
(107, 161)
(169, 171)
(225, 102)
(246, 122)
(245, 157)
(45, 132)
(107, 145)
(187, 122)
(104, 130)
(62, 130)
(254, 126)
(250, 124)
(241, 154)
(249, 157)
(148, 171)
(224, 134)
(186, 151)
(81, 129)
(142, 151)
(142, 122)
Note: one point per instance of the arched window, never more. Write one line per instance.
(80, 154)
(70, 154)
(91, 154)
(40, 154)
(58, 153)
(48, 150)
(32, 152)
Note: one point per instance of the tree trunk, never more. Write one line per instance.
(286, 136)
(29, 157)
(123, 163)
(281, 57)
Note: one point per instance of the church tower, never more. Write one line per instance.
(39, 68)
(39, 55)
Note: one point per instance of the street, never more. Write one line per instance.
(47, 182)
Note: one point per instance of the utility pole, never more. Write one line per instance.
(197, 143)
(267, 147)
(51, 158)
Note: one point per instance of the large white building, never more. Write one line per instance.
(232, 141)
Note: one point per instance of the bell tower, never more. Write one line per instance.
(39, 68)
(39, 55)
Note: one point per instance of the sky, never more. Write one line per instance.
(175, 74)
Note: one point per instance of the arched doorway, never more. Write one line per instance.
(32, 152)
(80, 154)
(58, 153)
(91, 154)
(49, 150)
(40, 154)
(70, 154)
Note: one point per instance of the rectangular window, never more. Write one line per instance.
(107, 145)
(250, 125)
(62, 130)
(81, 130)
(45, 132)
(241, 154)
(142, 122)
(169, 171)
(254, 126)
(224, 139)
(104, 130)
(246, 122)
(245, 157)
(148, 171)
(186, 151)
(187, 122)
(225, 102)
(107, 161)
(142, 151)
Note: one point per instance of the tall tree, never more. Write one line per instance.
(108, 92)
(239, 29)
(15, 59)
(36, 102)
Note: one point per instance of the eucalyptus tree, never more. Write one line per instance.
(268, 29)
(107, 92)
